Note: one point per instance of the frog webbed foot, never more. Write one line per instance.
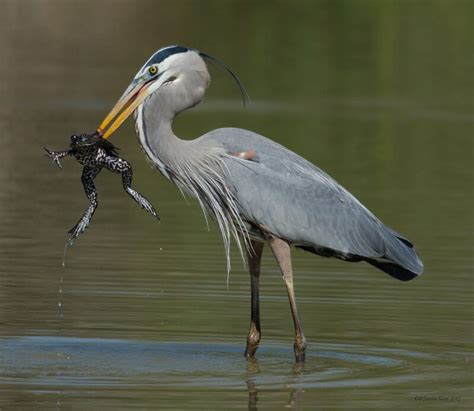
(81, 225)
(142, 201)
(56, 155)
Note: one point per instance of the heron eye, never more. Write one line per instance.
(153, 70)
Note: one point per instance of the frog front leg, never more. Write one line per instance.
(119, 165)
(57, 155)
(88, 175)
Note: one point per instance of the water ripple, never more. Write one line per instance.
(92, 362)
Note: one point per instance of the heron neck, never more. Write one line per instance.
(156, 135)
(154, 119)
(168, 152)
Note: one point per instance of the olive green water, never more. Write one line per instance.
(377, 93)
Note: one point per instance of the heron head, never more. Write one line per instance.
(162, 69)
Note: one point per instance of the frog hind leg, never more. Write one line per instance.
(88, 175)
(119, 165)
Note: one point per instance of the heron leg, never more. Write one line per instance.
(88, 175)
(254, 256)
(282, 253)
(119, 165)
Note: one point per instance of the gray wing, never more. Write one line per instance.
(300, 203)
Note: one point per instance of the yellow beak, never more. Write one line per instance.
(123, 108)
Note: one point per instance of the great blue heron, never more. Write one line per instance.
(256, 190)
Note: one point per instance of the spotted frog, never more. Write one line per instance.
(95, 153)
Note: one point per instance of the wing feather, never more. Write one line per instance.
(300, 203)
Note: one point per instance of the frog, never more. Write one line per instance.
(95, 153)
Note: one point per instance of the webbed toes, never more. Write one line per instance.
(143, 202)
(54, 156)
(78, 229)
(146, 205)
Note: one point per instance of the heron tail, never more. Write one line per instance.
(400, 260)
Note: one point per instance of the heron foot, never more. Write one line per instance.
(300, 351)
(300, 357)
(250, 351)
(253, 340)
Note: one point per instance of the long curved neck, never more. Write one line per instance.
(195, 166)
(154, 118)
(155, 132)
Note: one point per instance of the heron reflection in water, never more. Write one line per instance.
(256, 190)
